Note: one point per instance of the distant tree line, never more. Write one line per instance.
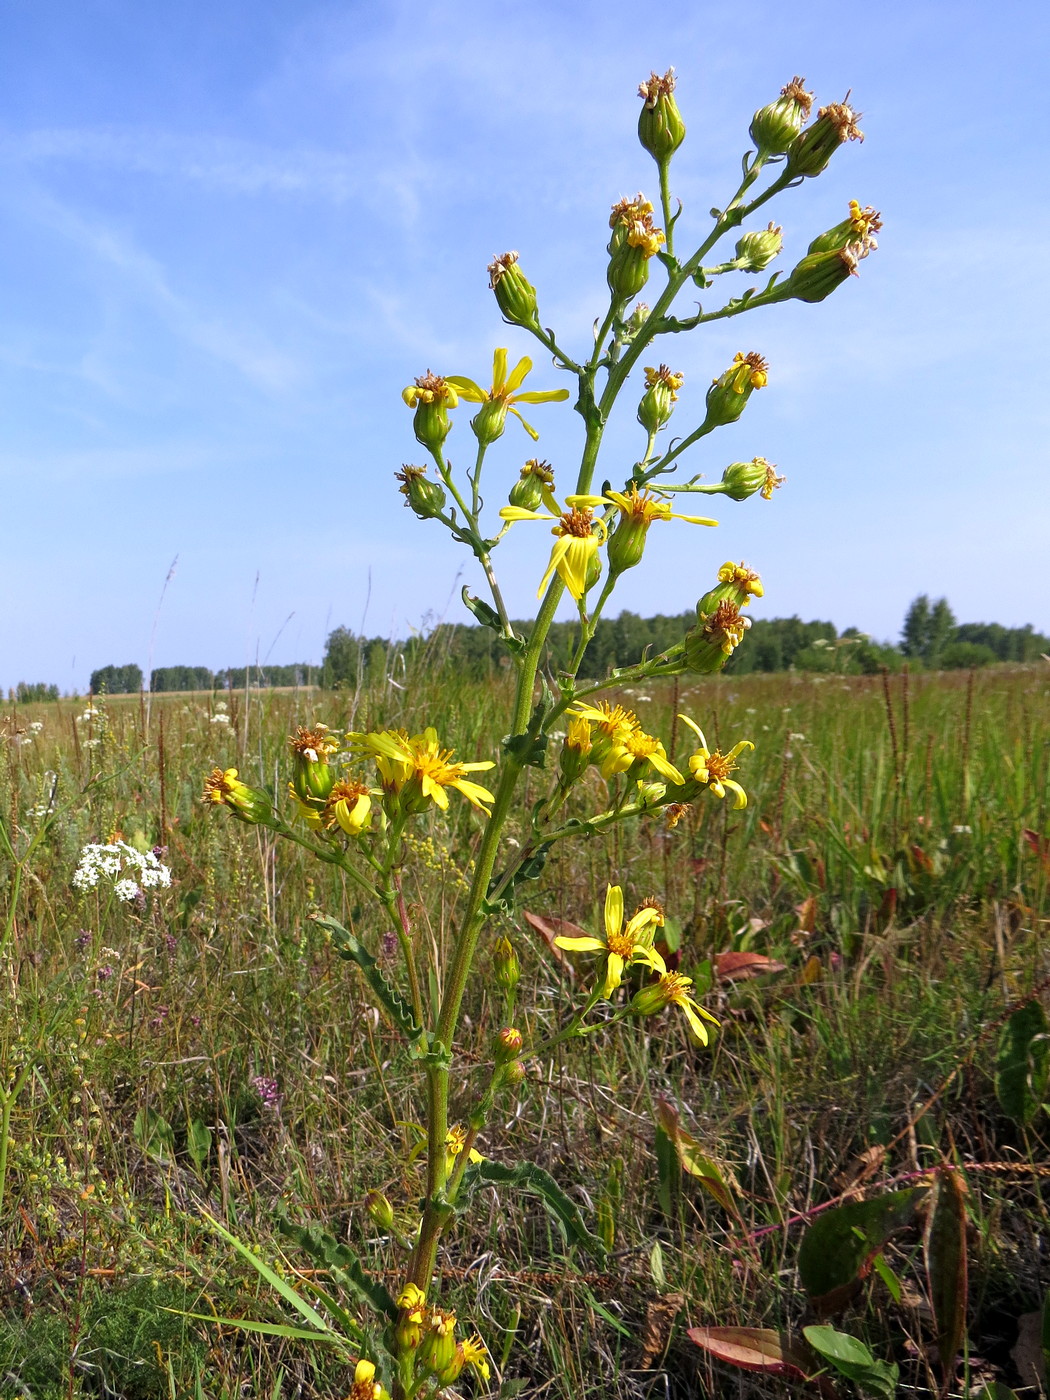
(31, 692)
(930, 638)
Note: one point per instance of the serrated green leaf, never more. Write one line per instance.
(324, 1249)
(353, 950)
(526, 1176)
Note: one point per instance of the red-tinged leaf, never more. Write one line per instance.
(840, 1245)
(549, 930)
(921, 859)
(946, 1266)
(888, 906)
(757, 1349)
(807, 914)
(734, 967)
(1039, 844)
(712, 1175)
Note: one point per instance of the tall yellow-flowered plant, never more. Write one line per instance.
(355, 799)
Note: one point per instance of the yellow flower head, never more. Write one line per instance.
(844, 119)
(579, 537)
(365, 1386)
(771, 483)
(578, 736)
(411, 1299)
(865, 223)
(713, 767)
(501, 398)
(431, 388)
(642, 508)
(472, 1352)
(611, 721)
(313, 745)
(673, 990)
(671, 379)
(622, 946)
(349, 807)
(223, 788)
(633, 751)
(630, 211)
(748, 370)
(743, 580)
(417, 770)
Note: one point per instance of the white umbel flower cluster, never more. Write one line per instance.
(131, 871)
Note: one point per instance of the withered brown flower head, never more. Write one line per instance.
(499, 267)
(313, 744)
(842, 115)
(796, 90)
(657, 87)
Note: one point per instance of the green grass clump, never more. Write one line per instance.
(208, 1050)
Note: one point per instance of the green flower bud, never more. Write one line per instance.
(527, 491)
(489, 421)
(860, 227)
(431, 397)
(742, 479)
(627, 544)
(507, 1045)
(710, 644)
(634, 323)
(661, 129)
(426, 498)
(515, 294)
(660, 397)
(811, 151)
(633, 242)
(775, 127)
(730, 391)
(312, 776)
(438, 1347)
(755, 251)
(380, 1209)
(506, 969)
(818, 274)
(223, 788)
(511, 1074)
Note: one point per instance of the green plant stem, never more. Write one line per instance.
(665, 204)
(7, 1103)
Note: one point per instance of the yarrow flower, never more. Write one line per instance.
(622, 946)
(131, 871)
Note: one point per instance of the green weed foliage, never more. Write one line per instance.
(202, 1049)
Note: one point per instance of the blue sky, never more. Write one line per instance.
(234, 232)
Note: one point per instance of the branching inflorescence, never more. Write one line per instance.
(354, 798)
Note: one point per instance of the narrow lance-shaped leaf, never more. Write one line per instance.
(946, 1266)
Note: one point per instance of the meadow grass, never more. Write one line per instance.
(209, 1051)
